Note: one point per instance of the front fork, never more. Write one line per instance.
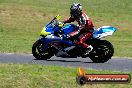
(45, 45)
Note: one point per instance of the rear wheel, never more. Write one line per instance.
(39, 52)
(103, 51)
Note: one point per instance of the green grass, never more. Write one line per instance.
(38, 76)
(22, 20)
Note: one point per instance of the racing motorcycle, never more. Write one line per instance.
(52, 42)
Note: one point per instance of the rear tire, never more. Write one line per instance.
(102, 51)
(38, 53)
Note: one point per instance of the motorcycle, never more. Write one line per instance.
(52, 42)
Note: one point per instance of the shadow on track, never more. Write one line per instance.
(49, 60)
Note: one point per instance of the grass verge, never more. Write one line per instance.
(41, 76)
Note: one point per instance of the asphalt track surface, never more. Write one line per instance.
(114, 64)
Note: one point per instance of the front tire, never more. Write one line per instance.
(38, 53)
(103, 51)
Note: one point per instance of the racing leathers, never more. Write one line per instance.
(85, 30)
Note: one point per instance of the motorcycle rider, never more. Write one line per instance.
(85, 29)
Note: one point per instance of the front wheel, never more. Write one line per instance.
(102, 52)
(39, 52)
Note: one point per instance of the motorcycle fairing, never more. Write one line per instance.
(69, 28)
(51, 39)
(44, 32)
(104, 31)
(49, 29)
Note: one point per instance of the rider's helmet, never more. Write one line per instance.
(76, 10)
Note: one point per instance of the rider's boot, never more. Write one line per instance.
(88, 49)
